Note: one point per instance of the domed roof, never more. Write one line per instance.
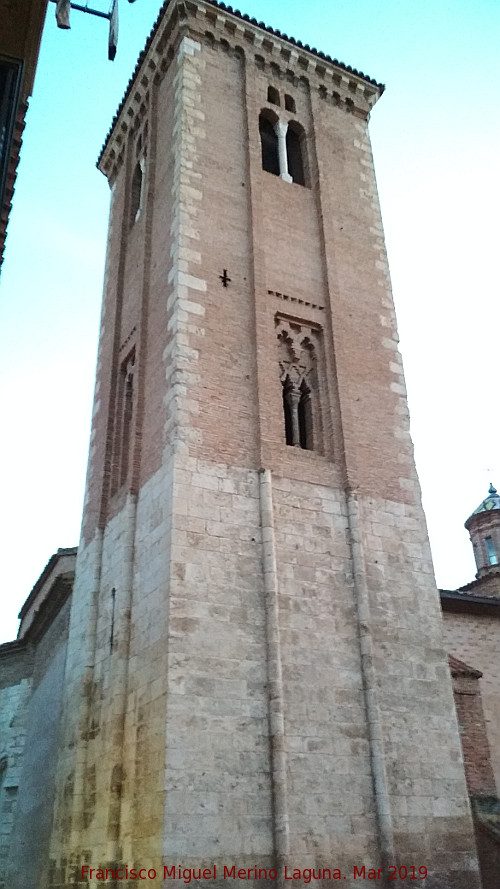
(492, 501)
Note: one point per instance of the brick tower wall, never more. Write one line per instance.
(255, 672)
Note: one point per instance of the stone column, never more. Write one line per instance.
(281, 129)
(293, 397)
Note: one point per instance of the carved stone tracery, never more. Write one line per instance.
(297, 356)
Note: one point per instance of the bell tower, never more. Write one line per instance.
(484, 529)
(255, 674)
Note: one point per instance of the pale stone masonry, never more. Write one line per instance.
(14, 694)
(255, 672)
(31, 679)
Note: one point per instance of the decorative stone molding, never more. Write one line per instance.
(297, 349)
(295, 299)
(128, 340)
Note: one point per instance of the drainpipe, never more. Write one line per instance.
(281, 830)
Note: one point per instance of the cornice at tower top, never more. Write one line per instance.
(309, 61)
(296, 43)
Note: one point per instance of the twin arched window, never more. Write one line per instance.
(282, 147)
(299, 431)
(273, 97)
(136, 190)
(297, 355)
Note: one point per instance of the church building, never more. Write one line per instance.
(249, 674)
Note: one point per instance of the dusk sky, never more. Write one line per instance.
(436, 141)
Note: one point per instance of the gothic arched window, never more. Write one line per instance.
(269, 145)
(295, 151)
(300, 389)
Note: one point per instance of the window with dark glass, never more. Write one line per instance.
(490, 551)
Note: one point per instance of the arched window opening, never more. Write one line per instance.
(123, 424)
(290, 104)
(294, 155)
(287, 411)
(490, 551)
(127, 423)
(136, 193)
(298, 355)
(269, 144)
(305, 418)
(273, 95)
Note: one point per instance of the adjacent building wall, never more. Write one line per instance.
(32, 672)
(33, 820)
(15, 687)
(473, 735)
(22, 24)
(475, 638)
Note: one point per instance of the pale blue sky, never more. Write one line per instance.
(435, 135)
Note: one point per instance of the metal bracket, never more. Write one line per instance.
(62, 18)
